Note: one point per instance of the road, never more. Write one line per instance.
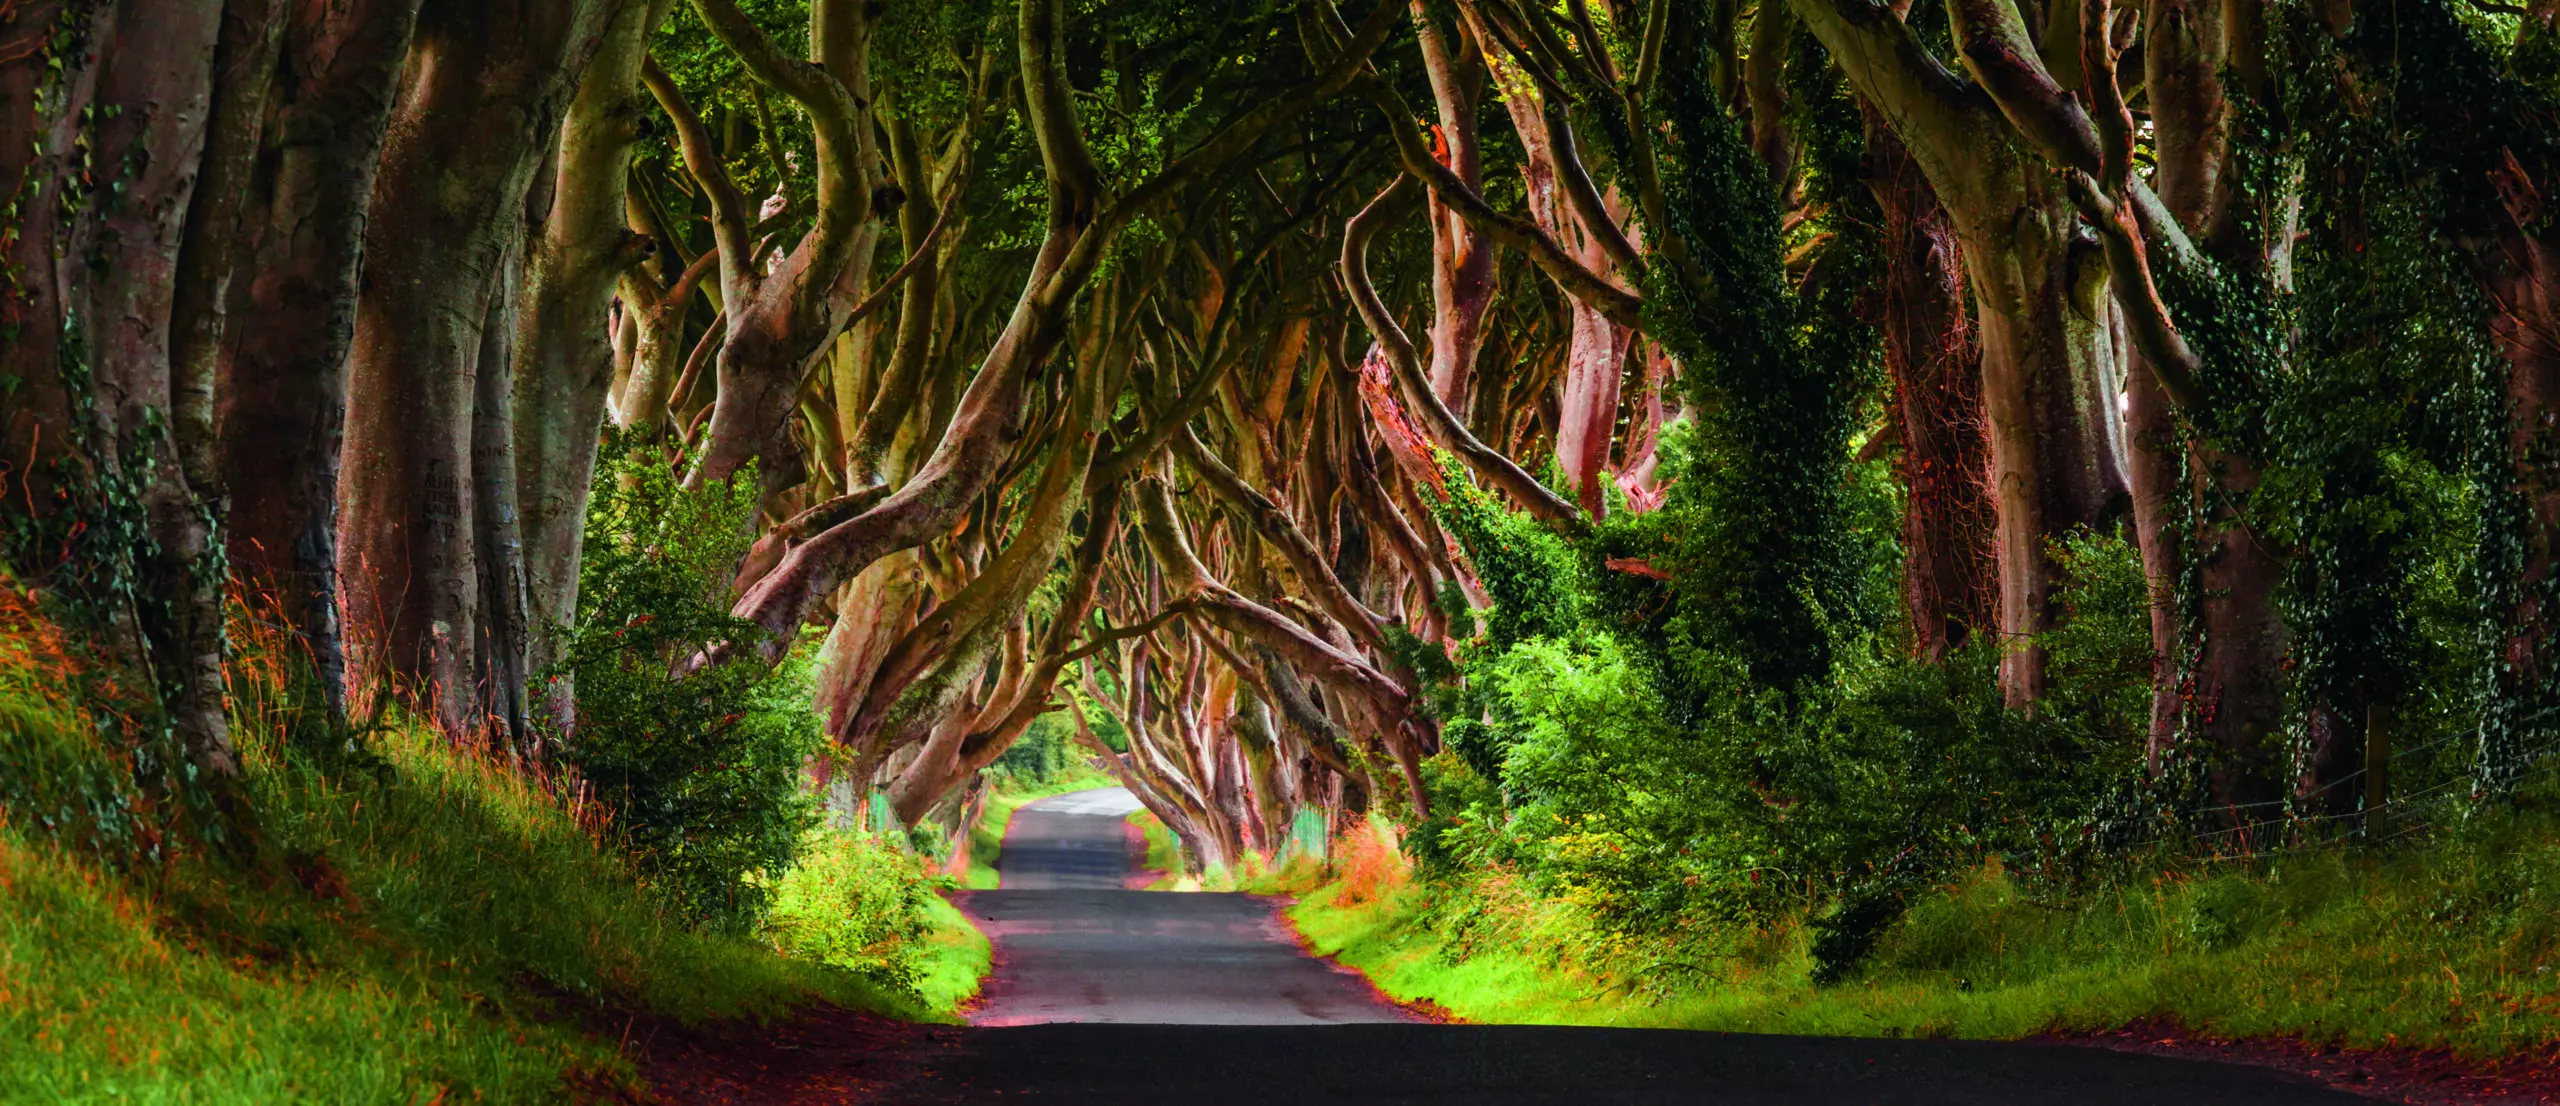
(1109, 996)
(1073, 946)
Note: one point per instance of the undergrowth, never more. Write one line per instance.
(420, 923)
(2449, 944)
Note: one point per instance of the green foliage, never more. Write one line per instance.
(856, 902)
(1534, 578)
(1043, 753)
(1856, 793)
(1763, 563)
(2098, 654)
(2445, 946)
(702, 773)
(2389, 470)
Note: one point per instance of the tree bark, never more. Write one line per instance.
(155, 87)
(487, 81)
(244, 82)
(1949, 557)
(563, 352)
(496, 524)
(1462, 258)
(108, 436)
(777, 322)
(2234, 698)
(2047, 371)
(283, 382)
(1596, 350)
(2521, 270)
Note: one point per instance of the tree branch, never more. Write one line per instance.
(2147, 318)
(1445, 429)
(1275, 524)
(729, 228)
(1414, 151)
(1992, 40)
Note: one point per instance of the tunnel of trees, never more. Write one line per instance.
(1700, 449)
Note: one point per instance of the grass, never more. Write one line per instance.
(2448, 945)
(1164, 852)
(439, 928)
(866, 903)
(438, 937)
(956, 958)
(1007, 794)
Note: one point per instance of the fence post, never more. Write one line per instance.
(2377, 769)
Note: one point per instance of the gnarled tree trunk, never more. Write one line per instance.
(486, 83)
(283, 385)
(563, 355)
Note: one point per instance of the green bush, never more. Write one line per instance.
(1649, 779)
(854, 901)
(702, 773)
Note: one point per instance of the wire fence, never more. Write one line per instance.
(2241, 831)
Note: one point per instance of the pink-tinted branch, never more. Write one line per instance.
(1444, 428)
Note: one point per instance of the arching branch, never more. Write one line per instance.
(1443, 427)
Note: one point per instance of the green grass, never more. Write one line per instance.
(955, 958)
(442, 934)
(1164, 851)
(1007, 794)
(439, 928)
(2450, 945)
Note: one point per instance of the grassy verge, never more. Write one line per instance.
(420, 925)
(2450, 946)
(439, 936)
(1009, 794)
(955, 957)
(1164, 853)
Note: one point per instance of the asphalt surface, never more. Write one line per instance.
(1108, 996)
(1076, 840)
(1072, 946)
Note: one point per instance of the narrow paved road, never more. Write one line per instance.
(1218, 1006)
(1073, 946)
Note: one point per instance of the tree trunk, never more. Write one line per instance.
(1950, 563)
(563, 352)
(2153, 461)
(487, 80)
(283, 385)
(2234, 699)
(244, 81)
(778, 322)
(1462, 259)
(2039, 293)
(497, 527)
(154, 91)
(2522, 272)
(1596, 350)
(2048, 401)
(867, 445)
(108, 436)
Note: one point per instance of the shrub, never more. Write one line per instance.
(1372, 867)
(854, 901)
(701, 773)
